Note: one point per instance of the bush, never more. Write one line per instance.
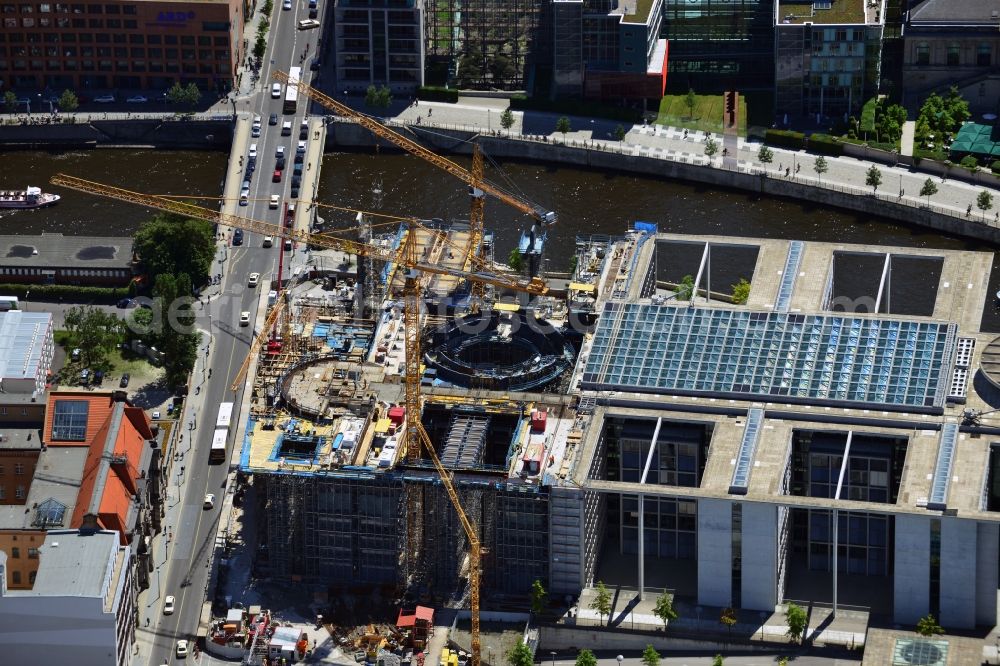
(969, 162)
(995, 167)
(69, 292)
(784, 138)
(825, 144)
(575, 107)
(436, 94)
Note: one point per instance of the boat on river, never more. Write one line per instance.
(32, 197)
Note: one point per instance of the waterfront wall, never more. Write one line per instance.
(158, 133)
(342, 135)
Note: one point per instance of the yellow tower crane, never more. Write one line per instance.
(416, 435)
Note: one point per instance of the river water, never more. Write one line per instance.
(588, 202)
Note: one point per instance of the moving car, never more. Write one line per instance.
(308, 24)
(238, 237)
(168, 605)
(124, 382)
(137, 99)
(244, 318)
(209, 501)
(288, 245)
(253, 280)
(286, 128)
(275, 200)
(105, 99)
(273, 120)
(279, 151)
(268, 240)
(276, 91)
(313, 13)
(286, 5)
(276, 178)
(157, 415)
(126, 303)
(182, 648)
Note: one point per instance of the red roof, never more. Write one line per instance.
(98, 414)
(409, 618)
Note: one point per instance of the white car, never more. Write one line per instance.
(254, 280)
(168, 606)
(308, 24)
(244, 318)
(269, 240)
(182, 648)
(137, 99)
(274, 202)
(301, 148)
(156, 415)
(253, 151)
(276, 91)
(279, 152)
(255, 131)
(105, 99)
(209, 501)
(286, 5)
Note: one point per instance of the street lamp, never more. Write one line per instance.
(619, 658)
(26, 294)
(553, 653)
(232, 100)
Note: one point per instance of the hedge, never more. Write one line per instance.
(436, 94)
(825, 145)
(784, 138)
(69, 292)
(868, 116)
(575, 107)
(995, 167)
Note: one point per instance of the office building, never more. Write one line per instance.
(80, 607)
(379, 42)
(52, 258)
(952, 44)
(609, 49)
(827, 58)
(122, 45)
(26, 348)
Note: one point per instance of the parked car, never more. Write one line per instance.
(124, 382)
(313, 13)
(98, 376)
(274, 203)
(75, 354)
(276, 178)
(295, 192)
(137, 99)
(315, 64)
(286, 5)
(288, 245)
(253, 151)
(84, 376)
(156, 415)
(300, 148)
(182, 648)
(104, 99)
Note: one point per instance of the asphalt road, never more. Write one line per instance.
(194, 531)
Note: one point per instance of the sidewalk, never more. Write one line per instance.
(899, 183)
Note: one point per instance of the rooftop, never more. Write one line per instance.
(55, 250)
(832, 12)
(17, 437)
(53, 493)
(635, 11)
(22, 338)
(956, 11)
(73, 564)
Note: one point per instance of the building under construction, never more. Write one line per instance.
(799, 445)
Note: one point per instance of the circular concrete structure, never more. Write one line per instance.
(499, 352)
(306, 387)
(989, 362)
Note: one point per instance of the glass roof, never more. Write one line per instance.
(69, 422)
(780, 357)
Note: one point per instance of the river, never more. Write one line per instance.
(588, 202)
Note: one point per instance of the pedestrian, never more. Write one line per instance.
(797, 167)
(147, 621)
(430, 112)
(968, 211)
(416, 101)
(787, 171)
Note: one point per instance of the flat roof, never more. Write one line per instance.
(635, 11)
(54, 489)
(53, 250)
(781, 357)
(17, 437)
(22, 338)
(956, 11)
(73, 564)
(836, 12)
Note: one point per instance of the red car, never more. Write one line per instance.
(276, 178)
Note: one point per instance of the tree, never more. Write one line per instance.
(765, 155)
(177, 341)
(507, 119)
(873, 178)
(268, 7)
(650, 657)
(470, 70)
(820, 166)
(586, 658)
(741, 291)
(380, 97)
(619, 133)
(969, 162)
(96, 332)
(927, 626)
(520, 655)
(690, 101)
(188, 95)
(192, 95)
(68, 101)
(717, 660)
(515, 260)
(602, 601)
(538, 597)
(728, 619)
(563, 125)
(984, 202)
(796, 620)
(928, 190)
(10, 101)
(711, 146)
(501, 68)
(173, 244)
(686, 288)
(259, 47)
(664, 609)
(176, 94)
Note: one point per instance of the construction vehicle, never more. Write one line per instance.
(415, 434)
(378, 129)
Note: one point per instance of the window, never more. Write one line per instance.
(19, 492)
(69, 422)
(15, 552)
(31, 577)
(3, 493)
(954, 53)
(18, 469)
(114, 23)
(984, 55)
(32, 553)
(129, 9)
(16, 577)
(923, 54)
(112, 9)
(1, 470)
(44, 8)
(95, 9)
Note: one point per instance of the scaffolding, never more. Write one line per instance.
(482, 44)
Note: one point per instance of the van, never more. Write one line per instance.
(286, 128)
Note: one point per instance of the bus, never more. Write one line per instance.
(292, 89)
(225, 415)
(218, 451)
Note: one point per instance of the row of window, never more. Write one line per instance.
(42, 22)
(15, 577)
(90, 272)
(18, 467)
(117, 52)
(59, 8)
(953, 55)
(15, 553)
(19, 492)
(105, 38)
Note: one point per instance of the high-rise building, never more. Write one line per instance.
(379, 42)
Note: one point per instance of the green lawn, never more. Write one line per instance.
(707, 115)
(117, 362)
